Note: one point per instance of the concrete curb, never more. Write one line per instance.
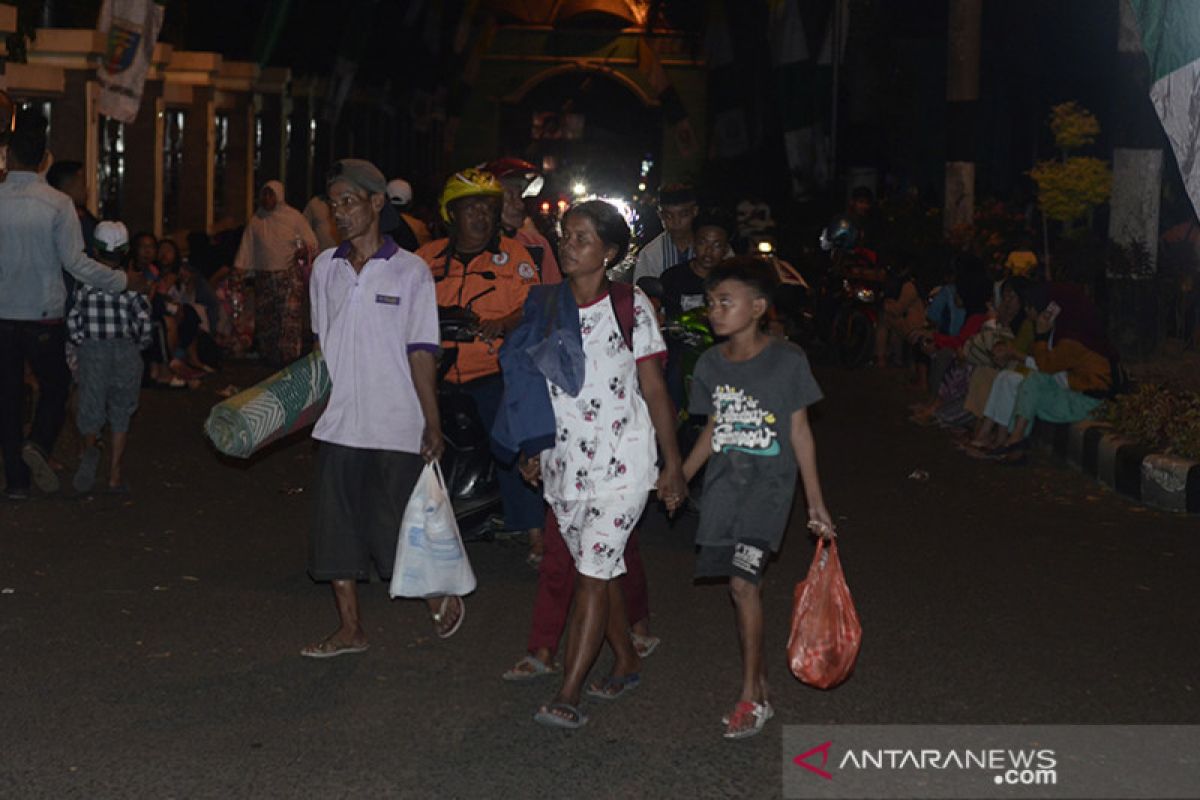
(1154, 479)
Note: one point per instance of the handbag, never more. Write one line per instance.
(826, 633)
(431, 560)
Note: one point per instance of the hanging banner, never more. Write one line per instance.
(130, 30)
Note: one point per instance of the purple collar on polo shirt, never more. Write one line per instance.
(385, 251)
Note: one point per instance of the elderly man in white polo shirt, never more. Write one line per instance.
(375, 316)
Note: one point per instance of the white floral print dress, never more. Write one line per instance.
(603, 465)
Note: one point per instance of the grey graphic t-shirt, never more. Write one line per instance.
(751, 474)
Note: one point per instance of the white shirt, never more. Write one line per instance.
(658, 256)
(605, 442)
(367, 324)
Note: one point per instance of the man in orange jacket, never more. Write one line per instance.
(481, 271)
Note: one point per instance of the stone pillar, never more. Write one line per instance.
(141, 201)
(962, 101)
(273, 108)
(196, 172)
(239, 161)
(300, 147)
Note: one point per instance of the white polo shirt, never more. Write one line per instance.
(367, 324)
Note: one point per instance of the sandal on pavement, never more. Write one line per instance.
(440, 617)
(85, 476)
(747, 720)
(529, 668)
(644, 645)
(568, 716)
(614, 686)
(331, 648)
(39, 466)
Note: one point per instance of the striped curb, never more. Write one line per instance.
(1131, 469)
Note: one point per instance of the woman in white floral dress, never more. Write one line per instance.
(598, 476)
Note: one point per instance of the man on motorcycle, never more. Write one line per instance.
(521, 180)
(677, 208)
(486, 275)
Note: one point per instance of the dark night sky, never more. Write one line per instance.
(1035, 53)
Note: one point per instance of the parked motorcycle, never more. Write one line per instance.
(851, 296)
(467, 463)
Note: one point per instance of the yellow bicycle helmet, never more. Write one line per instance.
(470, 182)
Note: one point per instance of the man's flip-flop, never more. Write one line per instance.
(441, 614)
(546, 716)
(529, 668)
(39, 465)
(332, 649)
(85, 476)
(614, 686)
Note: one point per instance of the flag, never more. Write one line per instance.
(1170, 34)
(795, 81)
(130, 31)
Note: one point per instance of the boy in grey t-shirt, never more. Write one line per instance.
(755, 391)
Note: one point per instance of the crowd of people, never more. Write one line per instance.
(997, 348)
(566, 370)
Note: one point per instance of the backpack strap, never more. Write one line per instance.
(621, 295)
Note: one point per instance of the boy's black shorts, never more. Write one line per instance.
(360, 500)
(745, 559)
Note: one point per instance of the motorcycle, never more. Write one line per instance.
(467, 462)
(851, 296)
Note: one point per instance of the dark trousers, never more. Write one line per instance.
(523, 504)
(556, 586)
(43, 345)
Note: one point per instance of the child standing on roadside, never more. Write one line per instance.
(110, 330)
(755, 391)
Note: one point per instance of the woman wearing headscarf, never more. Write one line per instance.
(273, 244)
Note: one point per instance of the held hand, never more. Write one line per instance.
(821, 523)
(491, 329)
(531, 469)
(1045, 321)
(671, 488)
(432, 444)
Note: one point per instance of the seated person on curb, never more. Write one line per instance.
(1071, 370)
(489, 275)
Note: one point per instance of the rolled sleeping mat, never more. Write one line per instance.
(288, 401)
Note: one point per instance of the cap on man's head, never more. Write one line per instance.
(399, 192)
(358, 173)
(676, 194)
(112, 238)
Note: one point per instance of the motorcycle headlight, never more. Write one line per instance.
(865, 295)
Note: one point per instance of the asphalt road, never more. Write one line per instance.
(148, 647)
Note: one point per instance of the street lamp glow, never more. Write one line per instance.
(579, 188)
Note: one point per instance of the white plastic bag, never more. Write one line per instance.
(430, 558)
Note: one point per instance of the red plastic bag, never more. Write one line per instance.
(826, 633)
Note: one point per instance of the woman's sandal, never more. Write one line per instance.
(569, 716)
(644, 645)
(614, 686)
(747, 719)
(440, 616)
(529, 668)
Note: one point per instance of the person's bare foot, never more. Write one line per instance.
(338, 643)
